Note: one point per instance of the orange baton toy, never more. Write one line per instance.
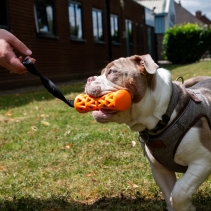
(119, 100)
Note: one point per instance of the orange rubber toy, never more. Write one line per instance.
(119, 100)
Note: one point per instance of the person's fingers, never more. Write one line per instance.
(15, 64)
(20, 58)
(8, 59)
(19, 46)
(32, 60)
(15, 43)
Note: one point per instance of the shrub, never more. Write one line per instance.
(186, 43)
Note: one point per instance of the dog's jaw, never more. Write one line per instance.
(119, 117)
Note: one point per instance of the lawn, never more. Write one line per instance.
(190, 70)
(55, 159)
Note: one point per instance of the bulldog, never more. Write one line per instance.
(172, 120)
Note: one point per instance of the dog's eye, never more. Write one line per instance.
(112, 71)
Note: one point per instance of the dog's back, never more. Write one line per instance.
(198, 82)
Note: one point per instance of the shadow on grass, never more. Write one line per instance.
(203, 203)
(103, 204)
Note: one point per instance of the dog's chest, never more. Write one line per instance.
(163, 147)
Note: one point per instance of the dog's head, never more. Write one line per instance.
(134, 74)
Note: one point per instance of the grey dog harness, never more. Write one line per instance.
(164, 145)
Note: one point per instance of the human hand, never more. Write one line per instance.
(8, 59)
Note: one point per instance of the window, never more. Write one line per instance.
(97, 19)
(114, 29)
(129, 32)
(44, 17)
(75, 20)
(3, 14)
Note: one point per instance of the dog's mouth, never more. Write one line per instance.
(107, 111)
(103, 111)
(103, 115)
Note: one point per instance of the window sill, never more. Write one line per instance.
(77, 40)
(48, 36)
(116, 43)
(99, 42)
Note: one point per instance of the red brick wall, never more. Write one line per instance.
(60, 58)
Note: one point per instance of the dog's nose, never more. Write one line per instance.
(95, 92)
(91, 79)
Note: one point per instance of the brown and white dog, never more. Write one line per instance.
(173, 121)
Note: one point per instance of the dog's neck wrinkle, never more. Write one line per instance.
(145, 118)
(153, 105)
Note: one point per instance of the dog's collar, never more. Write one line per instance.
(166, 117)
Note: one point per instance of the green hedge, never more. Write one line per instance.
(186, 43)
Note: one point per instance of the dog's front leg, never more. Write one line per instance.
(164, 178)
(184, 188)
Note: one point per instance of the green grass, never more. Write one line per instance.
(191, 70)
(55, 159)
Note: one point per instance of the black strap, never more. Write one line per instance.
(48, 84)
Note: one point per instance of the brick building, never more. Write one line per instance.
(74, 39)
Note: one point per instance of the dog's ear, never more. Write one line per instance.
(145, 63)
